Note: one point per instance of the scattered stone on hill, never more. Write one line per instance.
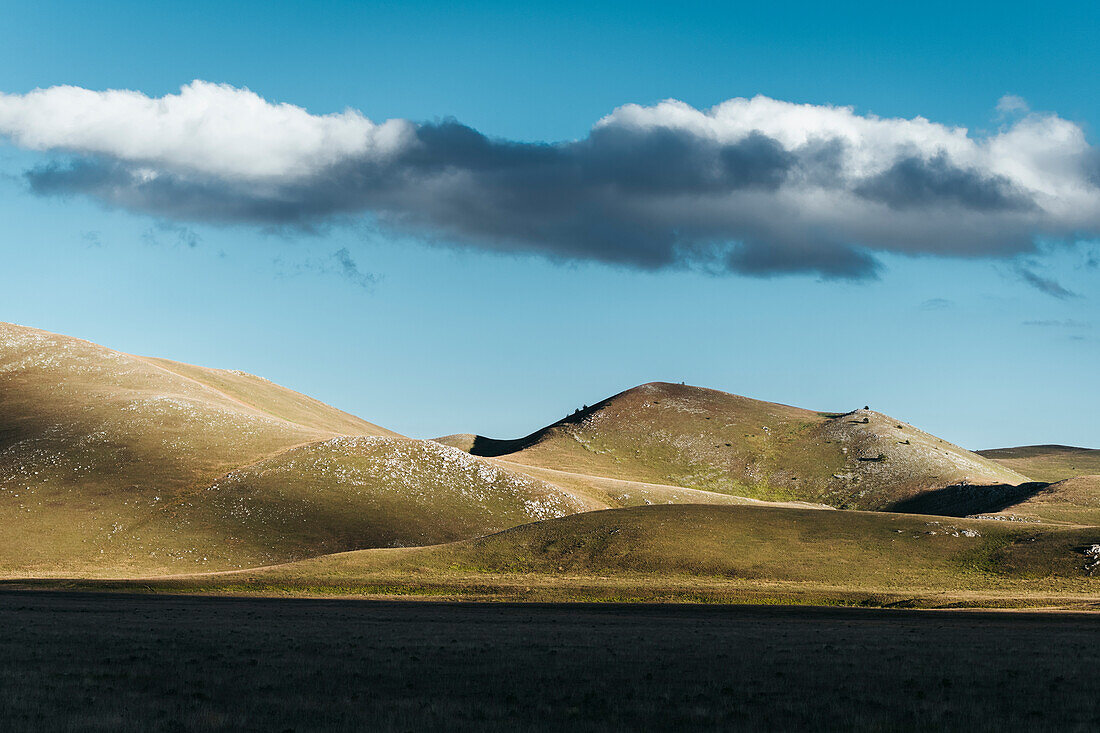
(1002, 517)
(952, 531)
(1092, 556)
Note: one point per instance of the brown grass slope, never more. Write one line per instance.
(705, 439)
(1047, 463)
(112, 464)
(1072, 501)
(115, 464)
(613, 493)
(98, 448)
(273, 399)
(366, 491)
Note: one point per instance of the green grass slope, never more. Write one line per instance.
(717, 553)
(709, 440)
(113, 465)
(1047, 463)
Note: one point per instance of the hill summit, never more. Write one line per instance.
(707, 439)
(118, 464)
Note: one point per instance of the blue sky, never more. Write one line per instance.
(432, 334)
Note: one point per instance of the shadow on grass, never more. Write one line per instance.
(961, 500)
(494, 447)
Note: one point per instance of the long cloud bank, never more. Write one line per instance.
(756, 186)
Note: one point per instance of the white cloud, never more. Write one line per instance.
(207, 128)
(1043, 155)
(1011, 104)
(751, 185)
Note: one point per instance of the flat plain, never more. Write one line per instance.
(100, 662)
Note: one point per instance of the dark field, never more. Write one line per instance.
(98, 662)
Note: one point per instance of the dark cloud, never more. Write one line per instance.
(646, 197)
(1044, 284)
(915, 182)
(829, 260)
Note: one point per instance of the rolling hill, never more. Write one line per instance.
(113, 464)
(1072, 501)
(1048, 463)
(99, 450)
(709, 440)
(713, 553)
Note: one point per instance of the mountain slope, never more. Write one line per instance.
(95, 443)
(613, 493)
(1048, 463)
(112, 464)
(704, 439)
(367, 491)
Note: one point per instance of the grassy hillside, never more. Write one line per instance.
(704, 439)
(866, 549)
(1073, 501)
(112, 464)
(716, 553)
(613, 493)
(365, 491)
(1047, 463)
(116, 464)
(96, 444)
(272, 399)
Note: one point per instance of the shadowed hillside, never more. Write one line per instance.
(365, 491)
(112, 464)
(100, 451)
(704, 439)
(1047, 463)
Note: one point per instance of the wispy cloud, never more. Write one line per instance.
(176, 235)
(937, 304)
(350, 271)
(1043, 284)
(339, 263)
(1068, 323)
(754, 186)
(1011, 104)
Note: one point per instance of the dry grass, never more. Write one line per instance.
(1072, 501)
(1048, 463)
(703, 439)
(115, 465)
(710, 554)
